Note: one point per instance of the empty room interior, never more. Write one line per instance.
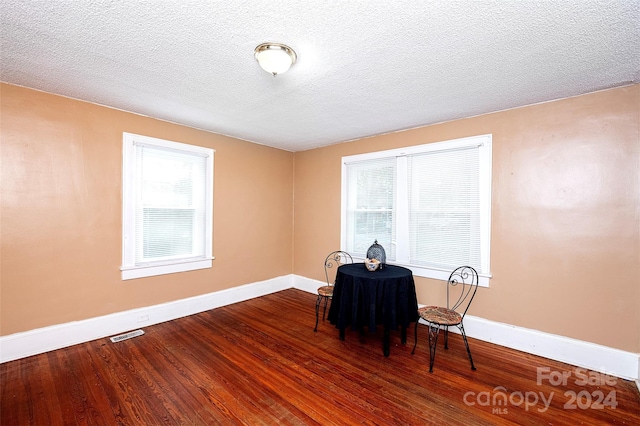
(551, 89)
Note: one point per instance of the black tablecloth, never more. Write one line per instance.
(362, 298)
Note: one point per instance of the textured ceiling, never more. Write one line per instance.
(364, 67)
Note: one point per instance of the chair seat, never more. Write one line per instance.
(326, 291)
(440, 315)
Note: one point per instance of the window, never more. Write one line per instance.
(167, 207)
(429, 206)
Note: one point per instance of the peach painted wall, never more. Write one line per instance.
(61, 212)
(565, 241)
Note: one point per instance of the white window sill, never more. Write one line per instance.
(133, 272)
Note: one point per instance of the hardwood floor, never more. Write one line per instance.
(260, 363)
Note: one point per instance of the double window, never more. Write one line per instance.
(167, 207)
(429, 206)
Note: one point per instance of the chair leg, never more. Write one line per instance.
(318, 300)
(434, 330)
(324, 312)
(415, 337)
(446, 337)
(466, 343)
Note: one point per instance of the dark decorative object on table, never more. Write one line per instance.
(376, 257)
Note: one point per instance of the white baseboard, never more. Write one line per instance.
(638, 376)
(307, 284)
(603, 359)
(588, 355)
(33, 342)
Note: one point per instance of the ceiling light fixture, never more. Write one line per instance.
(275, 58)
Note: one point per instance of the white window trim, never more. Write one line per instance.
(485, 141)
(129, 269)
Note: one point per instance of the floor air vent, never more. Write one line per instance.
(125, 336)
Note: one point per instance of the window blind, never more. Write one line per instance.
(371, 205)
(444, 208)
(170, 211)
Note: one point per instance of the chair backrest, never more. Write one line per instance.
(331, 263)
(461, 288)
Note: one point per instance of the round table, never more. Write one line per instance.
(362, 298)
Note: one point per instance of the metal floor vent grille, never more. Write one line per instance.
(126, 336)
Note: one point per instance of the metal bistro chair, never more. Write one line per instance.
(461, 288)
(334, 259)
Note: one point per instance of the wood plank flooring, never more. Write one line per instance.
(260, 363)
